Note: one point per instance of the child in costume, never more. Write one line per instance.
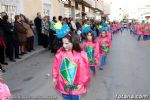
(92, 49)
(104, 44)
(70, 71)
(146, 31)
(139, 31)
(4, 90)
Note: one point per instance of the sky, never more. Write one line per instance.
(130, 6)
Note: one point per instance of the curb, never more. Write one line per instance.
(26, 56)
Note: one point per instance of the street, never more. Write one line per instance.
(126, 73)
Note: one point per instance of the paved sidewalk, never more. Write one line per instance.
(37, 51)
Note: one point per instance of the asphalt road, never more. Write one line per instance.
(127, 72)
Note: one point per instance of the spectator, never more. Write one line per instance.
(2, 48)
(52, 32)
(69, 24)
(73, 24)
(30, 34)
(21, 34)
(2, 45)
(78, 25)
(45, 31)
(9, 35)
(38, 25)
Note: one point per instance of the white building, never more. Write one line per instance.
(27, 7)
(144, 13)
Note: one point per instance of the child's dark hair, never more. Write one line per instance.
(93, 37)
(54, 18)
(105, 33)
(65, 19)
(75, 40)
(60, 18)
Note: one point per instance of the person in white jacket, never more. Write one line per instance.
(73, 24)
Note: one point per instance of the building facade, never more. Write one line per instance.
(144, 13)
(78, 9)
(27, 7)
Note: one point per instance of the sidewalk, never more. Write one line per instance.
(38, 50)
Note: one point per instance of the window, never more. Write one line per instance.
(67, 12)
(10, 10)
(46, 9)
(87, 10)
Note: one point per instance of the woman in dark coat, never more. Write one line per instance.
(21, 33)
(9, 36)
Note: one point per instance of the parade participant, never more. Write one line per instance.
(56, 44)
(105, 26)
(85, 26)
(70, 70)
(104, 43)
(108, 32)
(139, 31)
(100, 27)
(146, 31)
(92, 49)
(4, 90)
(131, 28)
(95, 29)
(134, 29)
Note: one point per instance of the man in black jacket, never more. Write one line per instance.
(2, 47)
(38, 25)
(9, 36)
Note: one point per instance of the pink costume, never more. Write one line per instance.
(146, 28)
(81, 76)
(88, 46)
(114, 27)
(4, 92)
(139, 29)
(106, 41)
(109, 34)
(131, 27)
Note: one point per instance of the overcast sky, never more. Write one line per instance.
(131, 6)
